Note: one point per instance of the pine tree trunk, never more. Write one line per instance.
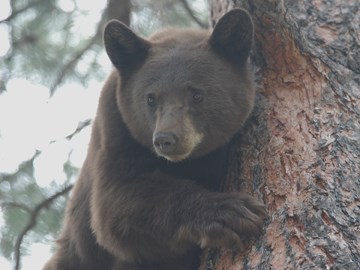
(300, 151)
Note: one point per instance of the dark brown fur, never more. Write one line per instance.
(146, 197)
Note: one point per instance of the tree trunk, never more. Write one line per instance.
(119, 9)
(300, 151)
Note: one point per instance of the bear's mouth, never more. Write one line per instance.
(175, 158)
(176, 142)
(181, 151)
(175, 153)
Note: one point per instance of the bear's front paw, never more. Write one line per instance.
(227, 220)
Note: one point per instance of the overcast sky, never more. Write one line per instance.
(30, 120)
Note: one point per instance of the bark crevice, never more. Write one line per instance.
(300, 150)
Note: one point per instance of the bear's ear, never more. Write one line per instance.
(125, 49)
(232, 36)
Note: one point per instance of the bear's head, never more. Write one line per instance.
(184, 92)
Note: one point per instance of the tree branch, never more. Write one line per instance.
(80, 127)
(33, 220)
(108, 13)
(16, 205)
(192, 15)
(119, 10)
(72, 62)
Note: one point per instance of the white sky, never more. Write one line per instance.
(30, 120)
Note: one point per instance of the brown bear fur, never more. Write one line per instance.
(147, 197)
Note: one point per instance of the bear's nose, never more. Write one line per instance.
(165, 142)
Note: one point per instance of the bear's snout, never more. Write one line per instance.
(165, 142)
(175, 137)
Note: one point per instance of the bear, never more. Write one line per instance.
(148, 195)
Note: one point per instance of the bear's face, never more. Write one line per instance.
(184, 93)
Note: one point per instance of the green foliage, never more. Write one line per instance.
(48, 43)
(45, 41)
(21, 199)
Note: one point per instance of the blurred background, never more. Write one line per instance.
(52, 66)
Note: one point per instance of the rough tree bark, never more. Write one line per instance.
(119, 9)
(300, 151)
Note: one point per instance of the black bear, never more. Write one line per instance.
(147, 197)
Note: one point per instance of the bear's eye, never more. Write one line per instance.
(197, 97)
(151, 100)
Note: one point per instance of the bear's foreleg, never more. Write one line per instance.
(155, 217)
